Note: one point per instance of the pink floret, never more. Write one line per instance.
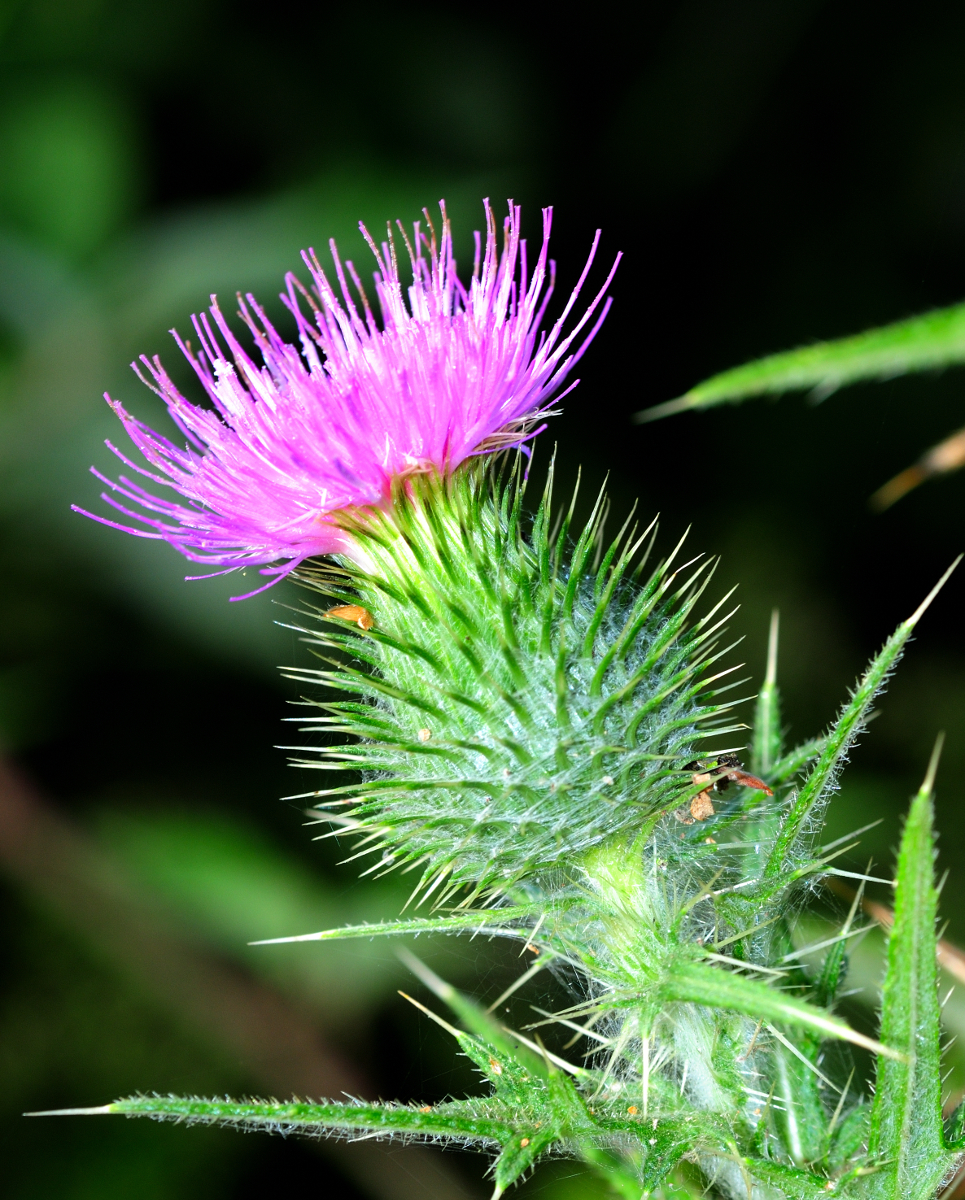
(448, 373)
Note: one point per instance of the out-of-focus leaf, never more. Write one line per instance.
(230, 885)
(948, 455)
(923, 343)
(68, 164)
(162, 273)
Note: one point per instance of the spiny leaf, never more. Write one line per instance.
(486, 921)
(476, 1019)
(699, 983)
(906, 1115)
(849, 1138)
(453, 1120)
(804, 1119)
(794, 1183)
(519, 1154)
(564, 1117)
(766, 748)
(923, 343)
(670, 1139)
(846, 729)
(797, 759)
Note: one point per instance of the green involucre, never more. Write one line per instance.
(516, 703)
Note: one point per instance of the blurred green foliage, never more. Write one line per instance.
(776, 174)
(231, 885)
(69, 171)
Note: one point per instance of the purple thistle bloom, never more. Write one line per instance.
(289, 444)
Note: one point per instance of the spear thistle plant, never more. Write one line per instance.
(539, 727)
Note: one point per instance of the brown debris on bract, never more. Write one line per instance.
(353, 612)
(701, 807)
(714, 775)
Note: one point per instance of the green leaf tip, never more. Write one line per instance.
(770, 676)
(443, 1024)
(767, 741)
(475, 1018)
(925, 604)
(668, 408)
(928, 785)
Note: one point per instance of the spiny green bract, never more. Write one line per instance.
(518, 702)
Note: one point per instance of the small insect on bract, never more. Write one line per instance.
(715, 774)
(353, 612)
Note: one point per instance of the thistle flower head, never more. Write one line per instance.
(290, 445)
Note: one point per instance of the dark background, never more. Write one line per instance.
(776, 171)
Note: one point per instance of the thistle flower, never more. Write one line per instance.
(525, 720)
(291, 445)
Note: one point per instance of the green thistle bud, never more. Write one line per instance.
(515, 702)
